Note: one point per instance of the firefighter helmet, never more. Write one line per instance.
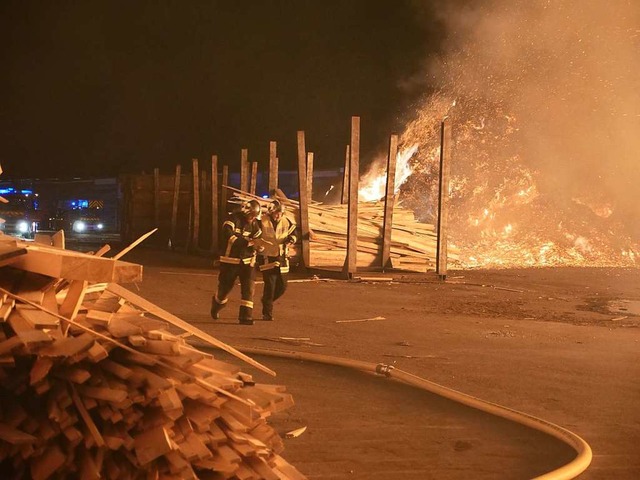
(276, 207)
(251, 208)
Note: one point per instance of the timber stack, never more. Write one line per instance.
(96, 382)
(413, 243)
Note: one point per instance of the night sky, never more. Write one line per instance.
(99, 88)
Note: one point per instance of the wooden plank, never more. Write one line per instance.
(273, 168)
(304, 201)
(68, 346)
(351, 261)
(110, 395)
(58, 240)
(156, 196)
(72, 265)
(223, 193)
(310, 176)
(14, 436)
(215, 208)
(172, 319)
(42, 238)
(38, 318)
(244, 170)
(45, 465)
(25, 331)
(73, 299)
(195, 234)
(86, 417)
(151, 444)
(389, 200)
(10, 250)
(345, 177)
(254, 178)
(443, 197)
(133, 244)
(174, 208)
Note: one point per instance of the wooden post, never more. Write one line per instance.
(254, 178)
(310, 176)
(223, 193)
(273, 168)
(214, 204)
(345, 178)
(196, 206)
(244, 170)
(351, 262)
(443, 198)
(389, 201)
(156, 196)
(174, 210)
(304, 201)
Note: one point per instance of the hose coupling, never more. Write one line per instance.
(384, 369)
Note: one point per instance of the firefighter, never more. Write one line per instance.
(278, 232)
(241, 230)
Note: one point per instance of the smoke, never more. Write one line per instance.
(547, 108)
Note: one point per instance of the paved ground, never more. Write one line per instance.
(560, 344)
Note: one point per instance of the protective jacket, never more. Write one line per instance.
(277, 237)
(239, 234)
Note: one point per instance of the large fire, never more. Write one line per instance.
(498, 216)
(544, 106)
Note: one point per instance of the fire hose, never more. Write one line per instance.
(568, 471)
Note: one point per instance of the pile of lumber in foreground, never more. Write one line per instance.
(98, 383)
(413, 243)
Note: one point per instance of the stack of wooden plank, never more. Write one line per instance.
(96, 382)
(413, 243)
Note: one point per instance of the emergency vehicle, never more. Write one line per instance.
(19, 212)
(79, 216)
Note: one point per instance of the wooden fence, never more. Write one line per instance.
(188, 207)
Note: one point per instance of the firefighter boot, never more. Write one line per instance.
(246, 311)
(267, 314)
(216, 306)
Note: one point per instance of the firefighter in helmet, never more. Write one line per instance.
(278, 232)
(238, 260)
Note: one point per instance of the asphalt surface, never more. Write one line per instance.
(537, 346)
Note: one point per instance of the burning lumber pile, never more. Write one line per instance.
(413, 243)
(97, 382)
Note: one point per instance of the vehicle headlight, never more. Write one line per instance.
(79, 226)
(22, 226)
(99, 226)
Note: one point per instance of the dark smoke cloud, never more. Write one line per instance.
(568, 72)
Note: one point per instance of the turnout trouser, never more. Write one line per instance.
(228, 274)
(275, 284)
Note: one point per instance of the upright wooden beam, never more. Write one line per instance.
(215, 208)
(345, 178)
(443, 198)
(351, 262)
(273, 167)
(244, 170)
(310, 176)
(174, 208)
(223, 193)
(156, 196)
(196, 205)
(389, 201)
(304, 201)
(254, 178)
